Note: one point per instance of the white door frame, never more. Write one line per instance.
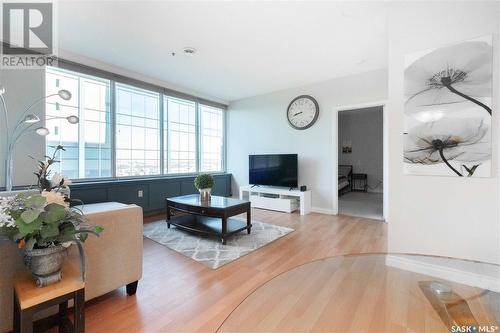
(335, 130)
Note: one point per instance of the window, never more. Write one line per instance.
(88, 144)
(137, 132)
(212, 138)
(179, 135)
(127, 131)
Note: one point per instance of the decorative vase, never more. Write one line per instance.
(45, 264)
(205, 194)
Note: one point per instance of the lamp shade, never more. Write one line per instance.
(31, 118)
(64, 94)
(43, 131)
(73, 119)
(2, 90)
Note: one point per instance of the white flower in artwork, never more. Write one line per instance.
(53, 197)
(455, 139)
(449, 75)
(60, 180)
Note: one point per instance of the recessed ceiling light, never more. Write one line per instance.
(189, 51)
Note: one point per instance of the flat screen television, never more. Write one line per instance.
(273, 170)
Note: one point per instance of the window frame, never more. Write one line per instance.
(157, 95)
(199, 138)
(163, 95)
(85, 76)
(196, 128)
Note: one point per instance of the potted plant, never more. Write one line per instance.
(204, 183)
(44, 225)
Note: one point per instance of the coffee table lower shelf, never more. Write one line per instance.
(210, 225)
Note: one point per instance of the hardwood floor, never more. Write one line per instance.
(361, 293)
(177, 294)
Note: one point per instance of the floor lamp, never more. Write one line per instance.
(25, 125)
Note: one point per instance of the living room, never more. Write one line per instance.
(172, 166)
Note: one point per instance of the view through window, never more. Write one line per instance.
(127, 131)
(87, 144)
(180, 134)
(212, 138)
(137, 132)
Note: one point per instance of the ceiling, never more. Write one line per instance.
(243, 48)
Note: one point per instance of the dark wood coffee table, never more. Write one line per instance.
(213, 217)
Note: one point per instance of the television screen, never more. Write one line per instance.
(273, 170)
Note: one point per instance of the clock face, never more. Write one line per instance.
(302, 112)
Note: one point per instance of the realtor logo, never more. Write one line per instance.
(28, 35)
(27, 28)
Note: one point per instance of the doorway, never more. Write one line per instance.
(360, 161)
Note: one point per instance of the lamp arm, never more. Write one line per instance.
(4, 105)
(20, 120)
(14, 139)
(25, 130)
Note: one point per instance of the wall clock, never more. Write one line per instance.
(302, 112)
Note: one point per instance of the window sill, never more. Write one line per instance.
(82, 182)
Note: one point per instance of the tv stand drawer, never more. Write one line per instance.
(287, 205)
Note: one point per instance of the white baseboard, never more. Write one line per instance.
(489, 278)
(327, 211)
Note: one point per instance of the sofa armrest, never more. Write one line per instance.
(114, 259)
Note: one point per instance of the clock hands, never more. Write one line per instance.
(306, 107)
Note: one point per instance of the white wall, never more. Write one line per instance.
(448, 216)
(22, 87)
(259, 125)
(363, 128)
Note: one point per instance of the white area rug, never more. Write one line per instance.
(208, 250)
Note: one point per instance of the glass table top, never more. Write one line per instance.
(215, 201)
(375, 293)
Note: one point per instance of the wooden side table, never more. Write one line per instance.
(29, 299)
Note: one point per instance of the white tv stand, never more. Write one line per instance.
(275, 198)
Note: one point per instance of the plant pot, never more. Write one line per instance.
(205, 194)
(45, 264)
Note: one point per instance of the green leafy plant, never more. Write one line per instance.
(44, 219)
(204, 180)
(39, 221)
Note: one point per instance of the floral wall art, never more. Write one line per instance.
(448, 94)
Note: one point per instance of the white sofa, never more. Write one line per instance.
(113, 260)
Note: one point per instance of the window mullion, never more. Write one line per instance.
(81, 132)
(162, 148)
(112, 106)
(198, 137)
(224, 142)
(166, 120)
